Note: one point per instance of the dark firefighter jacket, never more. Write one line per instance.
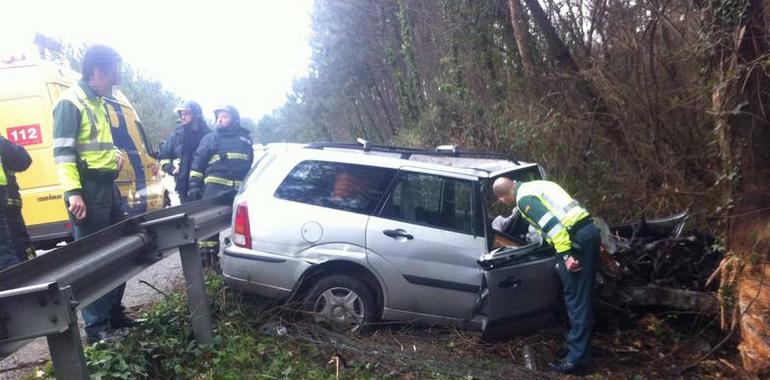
(179, 149)
(223, 157)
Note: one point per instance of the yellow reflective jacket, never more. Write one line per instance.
(82, 136)
(552, 211)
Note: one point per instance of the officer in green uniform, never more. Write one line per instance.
(88, 163)
(7, 256)
(566, 225)
(16, 159)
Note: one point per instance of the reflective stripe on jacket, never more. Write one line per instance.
(3, 177)
(87, 141)
(179, 149)
(551, 210)
(223, 157)
(13, 158)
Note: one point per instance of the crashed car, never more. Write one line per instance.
(358, 233)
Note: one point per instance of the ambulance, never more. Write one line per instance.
(29, 89)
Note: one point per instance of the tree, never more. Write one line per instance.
(739, 31)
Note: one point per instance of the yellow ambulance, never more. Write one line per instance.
(29, 89)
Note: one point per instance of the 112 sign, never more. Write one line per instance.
(25, 134)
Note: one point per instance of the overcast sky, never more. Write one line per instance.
(242, 52)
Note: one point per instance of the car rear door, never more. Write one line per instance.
(423, 244)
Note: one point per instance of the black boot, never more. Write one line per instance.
(120, 320)
(568, 368)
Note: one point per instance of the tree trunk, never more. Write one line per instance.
(556, 47)
(602, 114)
(520, 35)
(741, 100)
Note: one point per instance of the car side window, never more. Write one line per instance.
(341, 186)
(431, 200)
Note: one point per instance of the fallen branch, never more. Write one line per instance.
(154, 288)
(651, 295)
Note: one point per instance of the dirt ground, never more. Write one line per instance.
(648, 346)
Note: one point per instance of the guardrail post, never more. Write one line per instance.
(197, 300)
(69, 361)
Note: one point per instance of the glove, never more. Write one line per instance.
(195, 193)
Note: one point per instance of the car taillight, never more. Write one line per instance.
(241, 228)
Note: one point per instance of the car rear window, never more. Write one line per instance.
(342, 186)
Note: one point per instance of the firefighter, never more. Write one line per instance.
(178, 150)
(88, 162)
(220, 164)
(16, 159)
(566, 225)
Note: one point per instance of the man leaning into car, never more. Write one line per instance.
(566, 225)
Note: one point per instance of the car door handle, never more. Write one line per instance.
(509, 282)
(398, 233)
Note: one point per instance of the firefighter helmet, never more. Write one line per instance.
(234, 114)
(190, 105)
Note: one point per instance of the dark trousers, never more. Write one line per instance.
(182, 187)
(103, 208)
(183, 197)
(579, 293)
(209, 247)
(20, 240)
(7, 256)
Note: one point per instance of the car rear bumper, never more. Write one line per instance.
(261, 273)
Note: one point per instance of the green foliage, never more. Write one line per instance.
(154, 104)
(163, 346)
(629, 134)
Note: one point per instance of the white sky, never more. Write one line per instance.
(241, 52)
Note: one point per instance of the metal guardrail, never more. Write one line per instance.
(40, 297)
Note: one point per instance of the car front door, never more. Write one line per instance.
(520, 292)
(423, 245)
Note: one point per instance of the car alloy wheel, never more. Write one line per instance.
(339, 305)
(342, 302)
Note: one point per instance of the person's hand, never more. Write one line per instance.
(573, 265)
(195, 193)
(77, 206)
(121, 160)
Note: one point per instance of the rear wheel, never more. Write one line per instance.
(342, 302)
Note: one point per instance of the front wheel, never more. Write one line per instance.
(342, 302)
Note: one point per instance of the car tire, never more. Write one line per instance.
(342, 303)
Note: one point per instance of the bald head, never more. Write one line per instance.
(503, 189)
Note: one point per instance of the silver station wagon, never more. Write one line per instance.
(356, 233)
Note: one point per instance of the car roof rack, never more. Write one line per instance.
(406, 153)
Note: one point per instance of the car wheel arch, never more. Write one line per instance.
(330, 268)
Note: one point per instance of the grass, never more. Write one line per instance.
(247, 345)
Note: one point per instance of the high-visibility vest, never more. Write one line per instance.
(561, 207)
(93, 144)
(3, 178)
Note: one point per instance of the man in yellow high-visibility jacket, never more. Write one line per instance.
(566, 225)
(88, 163)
